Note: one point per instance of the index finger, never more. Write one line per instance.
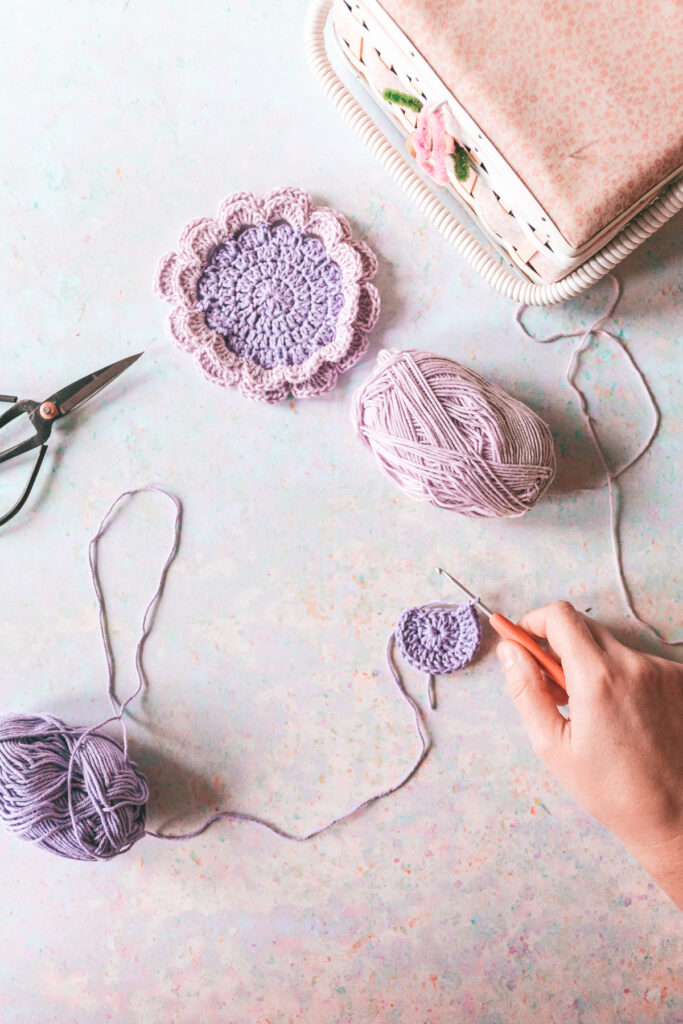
(568, 634)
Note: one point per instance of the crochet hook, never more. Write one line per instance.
(509, 631)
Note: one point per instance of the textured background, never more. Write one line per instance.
(480, 893)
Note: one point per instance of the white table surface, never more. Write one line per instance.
(479, 893)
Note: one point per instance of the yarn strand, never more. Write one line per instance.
(586, 336)
(148, 617)
(256, 820)
(120, 707)
(76, 792)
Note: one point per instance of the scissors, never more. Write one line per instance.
(509, 631)
(43, 414)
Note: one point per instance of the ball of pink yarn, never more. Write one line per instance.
(446, 435)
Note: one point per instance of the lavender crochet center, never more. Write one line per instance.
(273, 294)
(439, 640)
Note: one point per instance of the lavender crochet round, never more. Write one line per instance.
(439, 640)
(272, 293)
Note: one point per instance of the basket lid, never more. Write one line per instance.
(580, 97)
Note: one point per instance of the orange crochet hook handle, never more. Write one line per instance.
(509, 631)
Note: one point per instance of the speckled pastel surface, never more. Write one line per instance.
(480, 893)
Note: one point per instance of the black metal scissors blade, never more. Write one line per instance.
(42, 415)
(69, 398)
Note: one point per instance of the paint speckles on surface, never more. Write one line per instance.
(295, 564)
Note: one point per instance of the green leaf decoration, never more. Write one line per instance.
(462, 163)
(403, 99)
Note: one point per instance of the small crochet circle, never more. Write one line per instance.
(272, 296)
(439, 640)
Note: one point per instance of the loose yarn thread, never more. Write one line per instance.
(586, 335)
(446, 435)
(76, 792)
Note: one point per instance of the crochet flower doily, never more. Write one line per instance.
(272, 296)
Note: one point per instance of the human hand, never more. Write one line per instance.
(620, 754)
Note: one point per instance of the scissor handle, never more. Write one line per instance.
(17, 507)
(42, 431)
(21, 448)
(509, 631)
(41, 426)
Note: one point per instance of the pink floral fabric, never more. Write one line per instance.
(581, 97)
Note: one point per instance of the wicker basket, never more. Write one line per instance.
(545, 269)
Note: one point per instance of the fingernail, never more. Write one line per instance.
(507, 654)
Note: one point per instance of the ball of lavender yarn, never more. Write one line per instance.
(448, 436)
(109, 794)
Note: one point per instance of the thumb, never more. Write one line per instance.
(533, 700)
